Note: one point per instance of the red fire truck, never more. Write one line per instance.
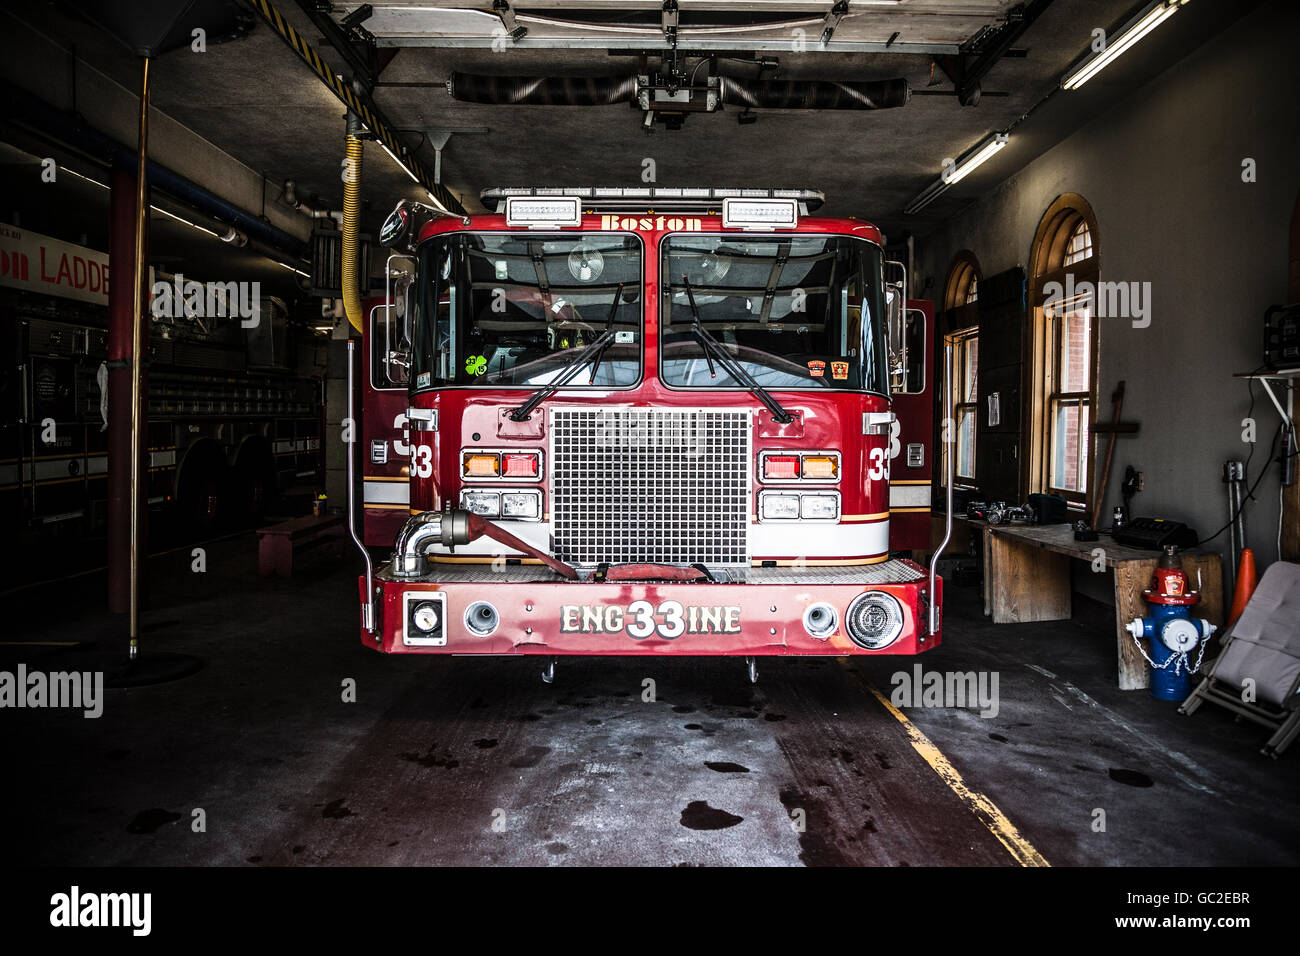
(639, 421)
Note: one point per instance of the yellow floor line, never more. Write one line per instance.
(980, 805)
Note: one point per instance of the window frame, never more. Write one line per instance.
(1052, 241)
(421, 328)
(961, 340)
(661, 254)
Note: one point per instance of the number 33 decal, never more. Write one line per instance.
(422, 461)
(879, 469)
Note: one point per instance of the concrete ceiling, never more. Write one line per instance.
(254, 99)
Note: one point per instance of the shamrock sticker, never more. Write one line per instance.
(476, 365)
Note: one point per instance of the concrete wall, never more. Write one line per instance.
(1162, 171)
(43, 66)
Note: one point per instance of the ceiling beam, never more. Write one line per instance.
(359, 102)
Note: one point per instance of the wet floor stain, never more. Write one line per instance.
(530, 757)
(528, 718)
(809, 816)
(692, 727)
(431, 759)
(773, 718)
(1132, 778)
(147, 821)
(254, 859)
(724, 766)
(698, 815)
(555, 849)
(335, 810)
(485, 743)
(683, 709)
(998, 737)
(298, 849)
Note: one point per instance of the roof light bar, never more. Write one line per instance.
(1147, 20)
(543, 213)
(612, 198)
(958, 171)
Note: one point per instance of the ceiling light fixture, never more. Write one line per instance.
(1147, 20)
(957, 171)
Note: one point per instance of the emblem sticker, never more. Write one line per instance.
(816, 369)
(839, 370)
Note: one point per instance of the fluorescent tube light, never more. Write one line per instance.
(1146, 21)
(958, 171)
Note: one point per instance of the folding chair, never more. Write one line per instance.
(1258, 673)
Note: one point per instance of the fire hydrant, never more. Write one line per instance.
(1171, 630)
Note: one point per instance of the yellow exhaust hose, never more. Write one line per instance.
(351, 207)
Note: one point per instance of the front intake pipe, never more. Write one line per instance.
(454, 527)
(423, 531)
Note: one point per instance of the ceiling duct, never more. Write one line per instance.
(750, 93)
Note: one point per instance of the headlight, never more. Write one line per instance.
(778, 507)
(524, 505)
(485, 504)
(820, 507)
(874, 620)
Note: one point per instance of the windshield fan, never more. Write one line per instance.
(586, 262)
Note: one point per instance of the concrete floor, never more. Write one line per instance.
(476, 761)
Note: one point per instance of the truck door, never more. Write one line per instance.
(911, 347)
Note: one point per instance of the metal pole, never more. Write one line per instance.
(368, 605)
(949, 427)
(140, 341)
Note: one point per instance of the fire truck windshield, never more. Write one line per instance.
(795, 312)
(518, 308)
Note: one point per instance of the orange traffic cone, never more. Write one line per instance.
(1246, 582)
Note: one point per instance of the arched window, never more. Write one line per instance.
(1063, 279)
(962, 333)
(963, 281)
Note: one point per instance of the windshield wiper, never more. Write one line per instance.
(590, 355)
(737, 371)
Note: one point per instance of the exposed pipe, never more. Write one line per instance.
(542, 90)
(815, 94)
(351, 202)
(739, 91)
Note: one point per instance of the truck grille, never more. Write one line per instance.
(633, 485)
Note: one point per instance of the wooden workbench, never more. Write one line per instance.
(1027, 578)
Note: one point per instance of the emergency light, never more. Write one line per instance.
(539, 213)
(764, 214)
